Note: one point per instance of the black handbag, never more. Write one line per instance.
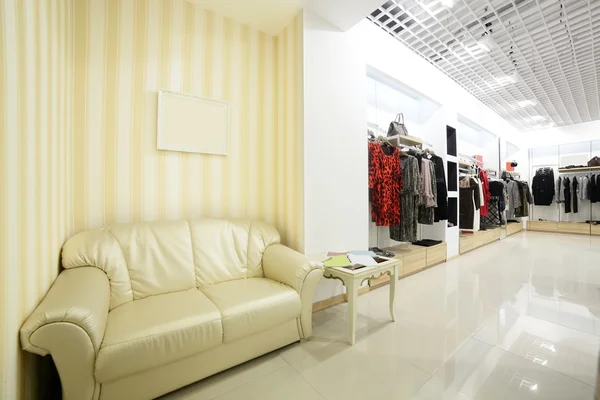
(397, 126)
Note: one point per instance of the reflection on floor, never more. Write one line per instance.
(517, 319)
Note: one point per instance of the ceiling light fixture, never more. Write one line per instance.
(487, 42)
(527, 103)
(508, 79)
(538, 118)
(448, 3)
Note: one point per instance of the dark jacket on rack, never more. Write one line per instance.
(543, 187)
(441, 212)
(525, 198)
(592, 189)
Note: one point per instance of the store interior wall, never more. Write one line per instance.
(35, 102)
(128, 51)
(561, 135)
(335, 165)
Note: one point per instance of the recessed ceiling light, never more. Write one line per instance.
(547, 126)
(538, 118)
(527, 103)
(508, 79)
(487, 42)
(448, 3)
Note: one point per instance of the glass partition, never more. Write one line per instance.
(569, 163)
(476, 141)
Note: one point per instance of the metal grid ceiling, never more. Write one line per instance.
(549, 45)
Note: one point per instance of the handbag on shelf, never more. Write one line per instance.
(397, 126)
(594, 162)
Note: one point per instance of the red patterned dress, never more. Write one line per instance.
(385, 183)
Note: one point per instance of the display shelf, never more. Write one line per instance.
(579, 228)
(472, 241)
(567, 170)
(414, 259)
(513, 227)
(408, 140)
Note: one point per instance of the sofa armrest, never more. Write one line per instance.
(285, 265)
(282, 264)
(69, 323)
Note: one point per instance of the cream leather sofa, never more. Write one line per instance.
(143, 309)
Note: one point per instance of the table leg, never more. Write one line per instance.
(352, 294)
(393, 281)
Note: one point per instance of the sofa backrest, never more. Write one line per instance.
(147, 259)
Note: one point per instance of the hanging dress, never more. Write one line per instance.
(385, 183)
(428, 193)
(409, 201)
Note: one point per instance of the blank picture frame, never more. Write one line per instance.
(192, 124)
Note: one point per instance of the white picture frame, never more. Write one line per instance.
(192, 124)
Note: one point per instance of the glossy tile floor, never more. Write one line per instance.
(517, 319)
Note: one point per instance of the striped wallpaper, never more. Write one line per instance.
(125, 51)
(78, 103)
(35, 103)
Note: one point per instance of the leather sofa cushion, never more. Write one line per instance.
(158, 256)
(227, 250)
(157, 330)
(249, 306)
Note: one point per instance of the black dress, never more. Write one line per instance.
(575, 186)
(567, 189)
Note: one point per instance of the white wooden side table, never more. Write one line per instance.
(353, 279)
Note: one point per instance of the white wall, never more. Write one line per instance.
(566, 134)
(335, 152)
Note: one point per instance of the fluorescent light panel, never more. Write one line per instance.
(527, 103)
(448, 3)
(486, 43)
(509, 79)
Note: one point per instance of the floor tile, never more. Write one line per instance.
(361, 375)
(230, 379)
(283, 383)
(508, 376)
(569, 351)
(481, 371)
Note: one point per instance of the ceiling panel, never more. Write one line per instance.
(507, 52)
